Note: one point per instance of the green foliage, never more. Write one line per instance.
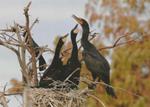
(126, 66)
(130, 55)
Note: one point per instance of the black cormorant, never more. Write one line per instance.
(42, 62)
(71, 70)
(52, 73)
(95, 62)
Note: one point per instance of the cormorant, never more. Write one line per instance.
(95, 62)
(52, 73)
(42, 62)
(71, 70)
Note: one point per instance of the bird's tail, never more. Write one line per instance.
(42, 63)
(110, 91)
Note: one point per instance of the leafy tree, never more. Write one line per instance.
(115, 18)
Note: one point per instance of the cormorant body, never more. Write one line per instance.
(52, 73)
(73, 66)
(95, 62)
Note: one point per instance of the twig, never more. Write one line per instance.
(35, 21)
(26, 9)
(50, 50)
(122, 89)
(116, 43)
(18, 100)
(3, 100)
(9, 47)
(10, 94)
(87, 81)
(34, 68)
(41, 51)
(97, 99)
(5, 34)
(71, 74)
(5, 87)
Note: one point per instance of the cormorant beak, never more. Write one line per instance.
(64, 37)
(79, 20)
(75, 29)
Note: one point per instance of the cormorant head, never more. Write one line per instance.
(74, 32)
(62, 39)
(81, 21)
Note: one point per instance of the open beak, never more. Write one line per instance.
(75, 29)
(77, 19)
(66, 35)
(64, 38)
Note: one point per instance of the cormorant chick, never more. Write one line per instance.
(71, 70)
(52, 73)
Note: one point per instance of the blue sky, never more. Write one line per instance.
(55, 19)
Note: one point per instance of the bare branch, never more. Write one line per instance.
(26, 9)
(3, 101)
(35, 21)
(32, 51)
(8, 46)
(71, 74)
(116, 43)
(97, 99)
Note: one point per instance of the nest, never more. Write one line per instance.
(57, 97)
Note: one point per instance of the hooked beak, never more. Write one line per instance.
(75, 29)
(64, 37)
(77, 19)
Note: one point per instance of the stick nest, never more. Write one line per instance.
(41, 97)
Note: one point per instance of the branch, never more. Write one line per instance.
(77, 69)
(35, 21)
(9, 47)
(26, 9)
(87, 81)
(32, 51)
(4, 34)
(19, 58)
(116, 43)
(97, 99)
(3, 100)
(10, 94)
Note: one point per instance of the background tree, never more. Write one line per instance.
(131, 62)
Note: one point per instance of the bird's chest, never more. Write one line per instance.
(90, 62)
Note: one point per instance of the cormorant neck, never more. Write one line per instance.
(57, 54)
(74, 53)
(85, 34)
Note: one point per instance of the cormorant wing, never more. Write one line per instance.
(95, 63)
